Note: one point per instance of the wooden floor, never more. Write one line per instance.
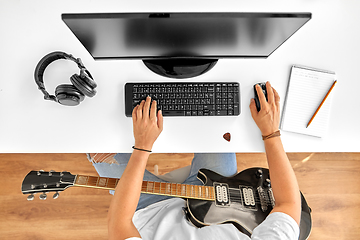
(329, 181)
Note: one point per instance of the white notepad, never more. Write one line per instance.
(306, 89)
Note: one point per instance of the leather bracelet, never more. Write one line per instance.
(274, 134)
(144, 150)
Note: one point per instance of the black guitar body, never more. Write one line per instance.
(244, 200)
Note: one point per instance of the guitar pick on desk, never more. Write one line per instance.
(227, 136)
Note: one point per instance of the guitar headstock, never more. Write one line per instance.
(44, 182)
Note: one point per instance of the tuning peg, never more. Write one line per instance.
(30, 197)
(50, 173)
(43, 196)
(56, 195)
(39, 172)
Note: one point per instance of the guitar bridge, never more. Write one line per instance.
(266, 198)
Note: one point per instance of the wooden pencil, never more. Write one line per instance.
(322, 102)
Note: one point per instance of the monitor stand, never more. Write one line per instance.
(180, 67)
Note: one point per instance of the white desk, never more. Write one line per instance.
(31, 29)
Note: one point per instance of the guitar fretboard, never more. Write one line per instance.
(150, 187)
(96, 182)
(179, 190)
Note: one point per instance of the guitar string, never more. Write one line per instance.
(235, 195)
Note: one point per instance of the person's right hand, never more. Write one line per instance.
(148, 124)
(268, 118)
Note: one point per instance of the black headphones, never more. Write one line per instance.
(66, 94)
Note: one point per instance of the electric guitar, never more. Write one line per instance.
(244, 200)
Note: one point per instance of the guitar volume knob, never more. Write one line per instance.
(267, 183)
(259, 173)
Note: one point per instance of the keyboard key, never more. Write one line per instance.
(236, 110)
(221, 112)
(208, 107)
(173, 113)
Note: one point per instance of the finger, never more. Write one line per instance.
(134, 117)
(153, 110)
(139, 111)
(261, 96)
(270, 93)
(147, 107)
(252, 107)
(277, 98)
(160, 120)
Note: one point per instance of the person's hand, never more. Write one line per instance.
(268, 118)
(147, 124)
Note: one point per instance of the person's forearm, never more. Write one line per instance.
(127, 192)
(283, 180)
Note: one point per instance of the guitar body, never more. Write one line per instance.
(239, 208)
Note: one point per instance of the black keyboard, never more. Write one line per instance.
(186, 99)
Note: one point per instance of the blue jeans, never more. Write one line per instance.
(222, 163)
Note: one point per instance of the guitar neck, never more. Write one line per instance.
(151, 187)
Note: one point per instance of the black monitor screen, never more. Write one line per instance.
(183, 35)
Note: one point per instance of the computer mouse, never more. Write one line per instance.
(256, 97)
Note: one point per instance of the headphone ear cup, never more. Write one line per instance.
(68, 95)
(88, 79)
(82, 85)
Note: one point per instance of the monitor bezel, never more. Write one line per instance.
(146, 15)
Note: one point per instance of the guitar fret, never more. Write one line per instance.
(157, 187)
(102, 182)
(168, 188)
(92, 181)
(178, 189)
(150, 187)
(144, 186)
(97, 181)
(81, 180)
(162, 187)
(173, 189)
(111, 183)
(188, 190)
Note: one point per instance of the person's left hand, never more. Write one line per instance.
(147, 124)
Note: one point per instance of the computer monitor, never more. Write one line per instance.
(183, 45)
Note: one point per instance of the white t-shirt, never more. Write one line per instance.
(166, 220)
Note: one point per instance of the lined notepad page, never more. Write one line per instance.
(307, 88)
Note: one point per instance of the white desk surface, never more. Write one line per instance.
(31, 29)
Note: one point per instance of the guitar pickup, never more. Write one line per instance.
(222, 197)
